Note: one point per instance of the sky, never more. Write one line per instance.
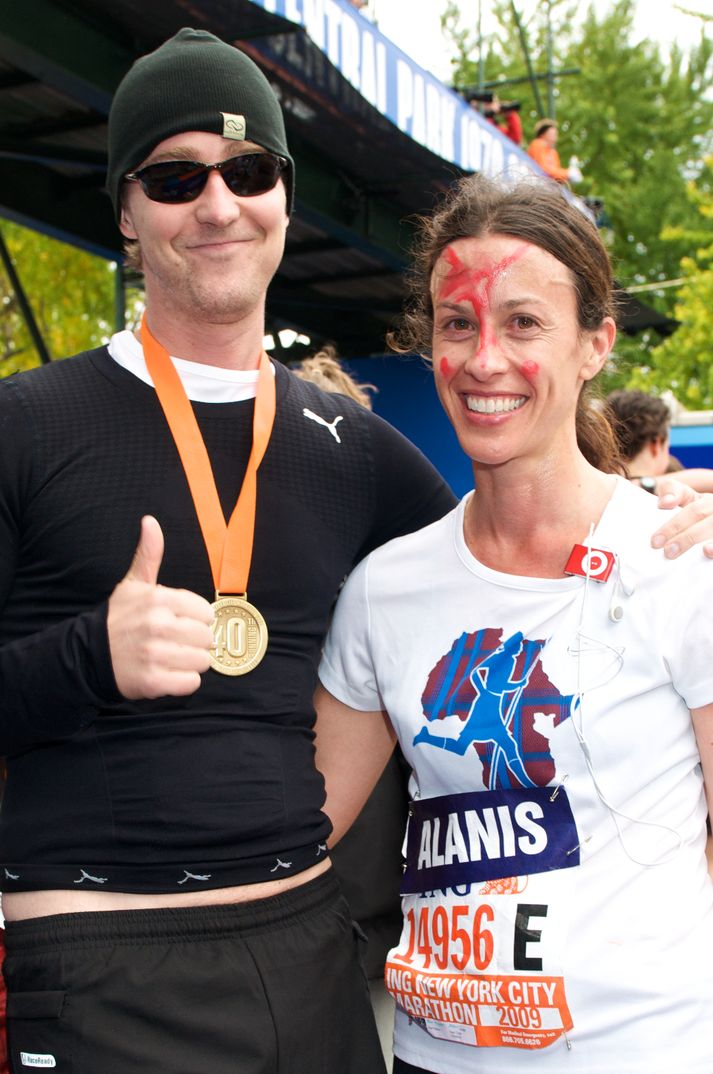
(414, 25)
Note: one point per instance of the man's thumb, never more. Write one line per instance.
(149, 553)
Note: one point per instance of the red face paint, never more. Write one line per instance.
(530, 369)
(475, 285)
(445, 368)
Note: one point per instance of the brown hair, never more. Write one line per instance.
(638, 418)
(325, 370)
(543, 125)
(132, 255)
(537, 212)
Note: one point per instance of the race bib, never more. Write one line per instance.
(486, 918)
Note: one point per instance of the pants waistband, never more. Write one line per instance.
(95, 928)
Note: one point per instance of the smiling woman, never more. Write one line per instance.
(526, 651)
(569, 256)
(505, 319)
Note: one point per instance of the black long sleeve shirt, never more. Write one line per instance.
(174, 794)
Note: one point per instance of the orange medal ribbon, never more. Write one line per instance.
(239, 630)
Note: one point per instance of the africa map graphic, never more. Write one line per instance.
(506, 702)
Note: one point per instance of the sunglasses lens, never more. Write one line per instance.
(173, 181)
(176, 181)
(254, 173)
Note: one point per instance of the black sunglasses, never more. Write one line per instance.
(177, 181)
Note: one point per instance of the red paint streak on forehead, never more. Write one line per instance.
(474, 285)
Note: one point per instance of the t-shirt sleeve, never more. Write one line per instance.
(410, 492)
(347, 668)
(688, 626)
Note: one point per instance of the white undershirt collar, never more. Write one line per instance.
(203, 383)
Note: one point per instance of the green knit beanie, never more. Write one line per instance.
(193, 82)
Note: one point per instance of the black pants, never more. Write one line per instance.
(268, 987)
(405, 1068)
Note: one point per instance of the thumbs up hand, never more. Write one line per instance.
(159, 638)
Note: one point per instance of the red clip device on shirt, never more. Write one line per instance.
(594, 563)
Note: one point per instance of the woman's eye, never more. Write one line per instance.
(524, 322)
(459, 324)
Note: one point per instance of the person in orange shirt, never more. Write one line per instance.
(543, 150)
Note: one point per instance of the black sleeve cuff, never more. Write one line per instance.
(54, 683)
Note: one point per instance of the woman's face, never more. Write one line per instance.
(509, 357)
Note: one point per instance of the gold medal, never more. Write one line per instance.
(239, 636)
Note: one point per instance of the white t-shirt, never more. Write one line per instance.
(558, 913)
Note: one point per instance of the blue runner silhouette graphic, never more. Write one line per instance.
(496, 687)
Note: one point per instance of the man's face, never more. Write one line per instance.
(210, 259)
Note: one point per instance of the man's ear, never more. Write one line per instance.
(126, 226)
(601, 341)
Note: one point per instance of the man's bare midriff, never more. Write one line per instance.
(21, 905)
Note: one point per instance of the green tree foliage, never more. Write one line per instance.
(640, 124)
(71, 294)
(684, 362)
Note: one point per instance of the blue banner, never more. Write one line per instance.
(487, 835)
(413, 100)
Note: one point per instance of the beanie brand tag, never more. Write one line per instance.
(233, 126)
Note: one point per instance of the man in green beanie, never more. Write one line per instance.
(168, 893)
